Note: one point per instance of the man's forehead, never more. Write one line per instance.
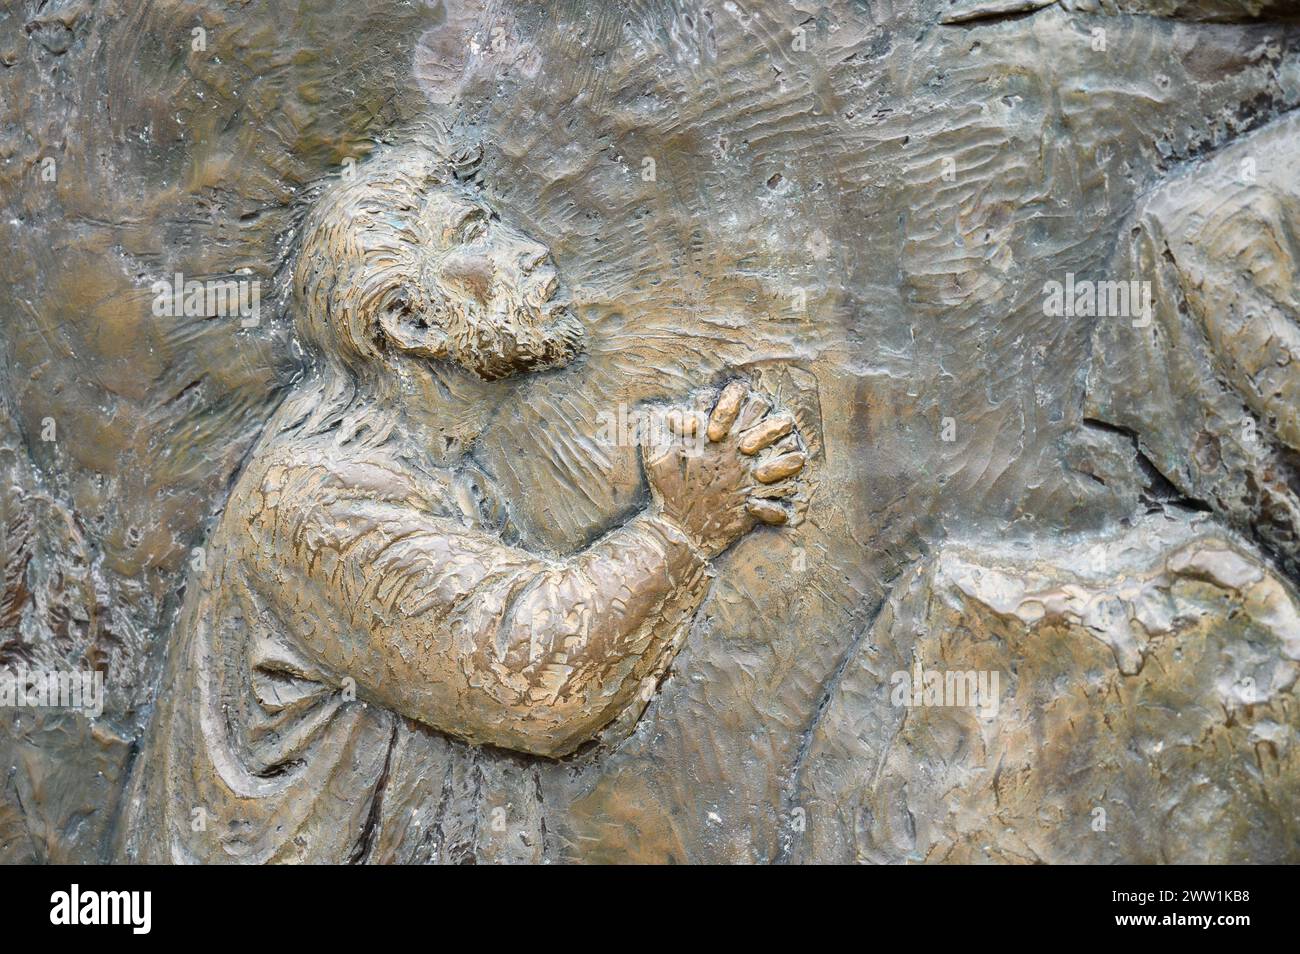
(448, 207)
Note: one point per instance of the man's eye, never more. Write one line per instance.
(473, 227)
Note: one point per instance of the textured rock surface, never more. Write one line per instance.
(1146, 714)
(872, 194)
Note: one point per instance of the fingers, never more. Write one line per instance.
(724, 414)
(768, 511)
(766, 432)
(683, 423)
(779, 468)
(775, 477)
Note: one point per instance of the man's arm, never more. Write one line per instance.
(449, 626)
(452, 628)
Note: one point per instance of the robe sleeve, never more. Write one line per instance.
(445, 624)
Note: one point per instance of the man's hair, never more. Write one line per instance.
(360, 252)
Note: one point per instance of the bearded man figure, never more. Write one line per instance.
(366, 626)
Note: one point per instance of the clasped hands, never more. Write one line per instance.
(723, 464)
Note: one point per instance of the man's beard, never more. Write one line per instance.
(515, 339)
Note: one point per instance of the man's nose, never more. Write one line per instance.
(530, 255)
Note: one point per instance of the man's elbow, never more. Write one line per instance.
(550, 728)
(552, 690)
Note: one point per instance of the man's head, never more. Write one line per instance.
(403, 259)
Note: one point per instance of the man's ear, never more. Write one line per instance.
(408, 323)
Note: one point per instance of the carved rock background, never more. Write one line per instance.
(1169, 637)
(776, 169)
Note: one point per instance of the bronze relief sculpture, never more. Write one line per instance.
(677, 432)
(361, 587)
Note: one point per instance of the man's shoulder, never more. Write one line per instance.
(317, 466)
(309, 474)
